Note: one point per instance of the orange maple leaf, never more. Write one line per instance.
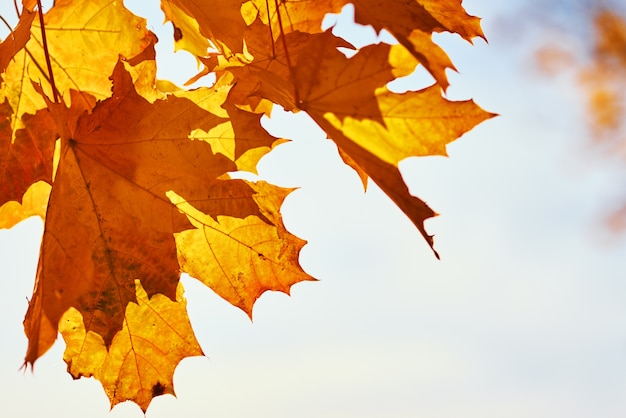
(373, 126)
(109, 191)
(26, 154)
(16, 41)
(118, 166)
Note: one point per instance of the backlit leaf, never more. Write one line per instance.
(140, 361)
(242, 256)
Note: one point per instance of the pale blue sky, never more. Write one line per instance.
(524, 316)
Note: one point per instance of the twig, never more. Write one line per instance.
(7, 24)
(282, 34)
(47, 53)
(269, 23)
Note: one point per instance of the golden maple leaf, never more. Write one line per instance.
(242, 254)
(80, 35)
(139, 362)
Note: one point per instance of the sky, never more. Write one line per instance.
(523, 316)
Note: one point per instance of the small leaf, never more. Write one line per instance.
(245, 254)
(139, 363)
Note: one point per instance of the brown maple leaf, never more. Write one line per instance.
(410, 22)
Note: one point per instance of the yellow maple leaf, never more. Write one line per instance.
(140, 361)
(242, 256)
(80, 35)
(34, 203)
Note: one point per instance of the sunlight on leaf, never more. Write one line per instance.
(140, 361)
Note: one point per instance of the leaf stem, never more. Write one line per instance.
(269, 24)
(296, 96)
(6, 24)
(47, 53)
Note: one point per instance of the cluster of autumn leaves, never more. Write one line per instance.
(132, 173)
(597, 58)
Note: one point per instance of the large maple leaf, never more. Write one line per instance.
(134, 174)
(110, 218)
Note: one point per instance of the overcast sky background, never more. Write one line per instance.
(524, 316)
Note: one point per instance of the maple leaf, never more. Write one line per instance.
(26, 155)
(355, 107)
(16, 40)
(139, 363)
(116, 181)
(220, 21)
(241, 255)
(81, 61)
(413, 22)
(109, 191)
(34, 202)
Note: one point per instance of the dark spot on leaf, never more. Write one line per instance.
(158, 389)
(178, 34)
